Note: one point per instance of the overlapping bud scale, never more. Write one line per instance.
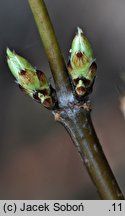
(30, 80)
(81, 65)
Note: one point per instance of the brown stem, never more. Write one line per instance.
(75, 119)
(79, 125)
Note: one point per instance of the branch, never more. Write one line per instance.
(56, 61)
(73, 115)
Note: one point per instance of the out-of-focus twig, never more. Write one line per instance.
(122, 105)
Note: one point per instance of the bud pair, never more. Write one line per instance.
(31, 81)
(81, 65)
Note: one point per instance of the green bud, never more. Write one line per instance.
(23, 71)
(81, 65)
(30, 80)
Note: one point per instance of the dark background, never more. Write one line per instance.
(37, 157)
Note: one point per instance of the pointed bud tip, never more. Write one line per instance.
(78, 43)
(79, 30)
(9, 53)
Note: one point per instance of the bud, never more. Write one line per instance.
(30, 80)
(80, 88)
(81, 64)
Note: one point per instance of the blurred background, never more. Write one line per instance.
(37, 157)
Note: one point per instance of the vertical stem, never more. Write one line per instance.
(51, 46)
